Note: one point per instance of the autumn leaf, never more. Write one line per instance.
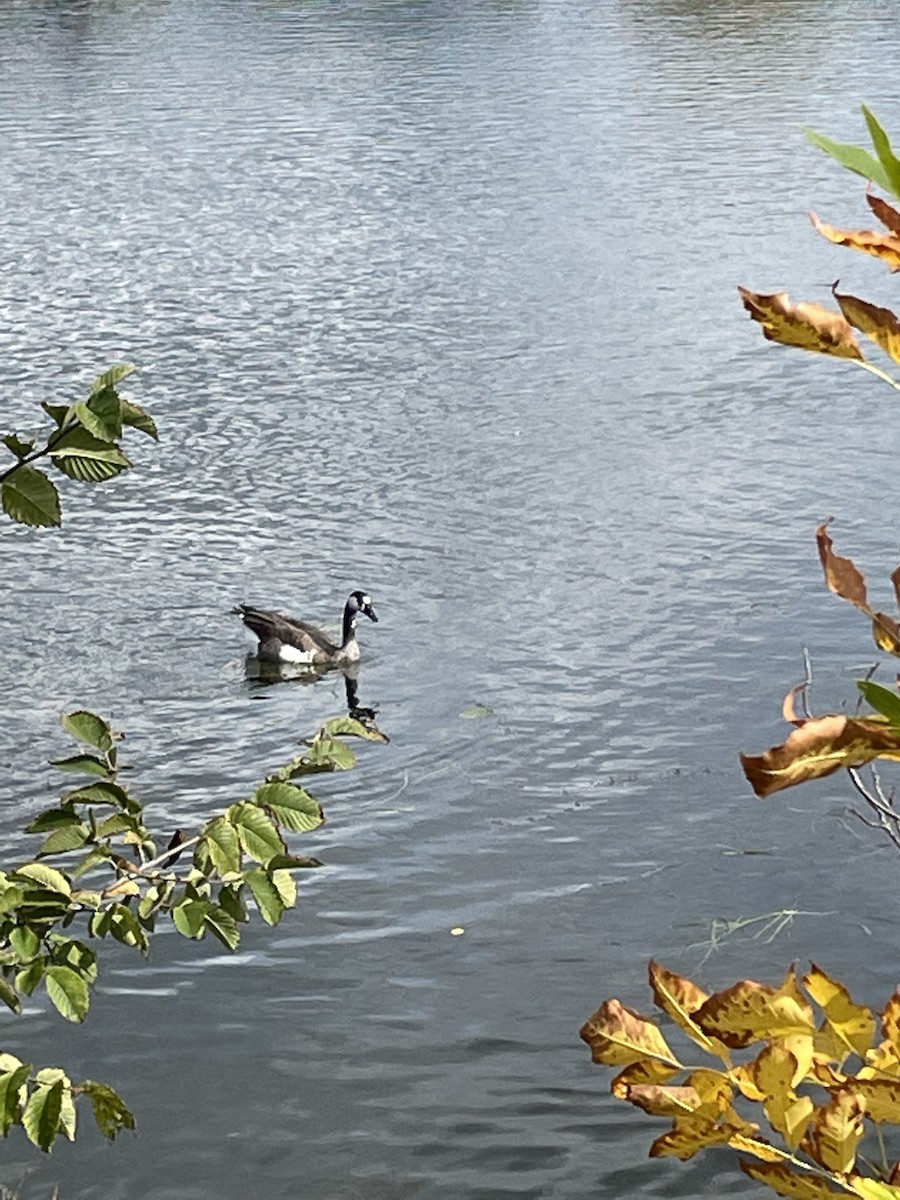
(750, 1012)
(690, 1137)
(806, 326)
(636, 1074)
(787, 1181)
(842, 575)
(853, 1024)
(773, 1072)
(886, 213)
(679, 998)
(836, 1131)
(880, 1099)
(662, 1101)
(885, 246)
(618, 1036)
(879, 324)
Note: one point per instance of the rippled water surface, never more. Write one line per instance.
(438, 300)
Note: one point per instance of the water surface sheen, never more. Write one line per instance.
(438, 299)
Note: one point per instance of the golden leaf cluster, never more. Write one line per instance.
(811, 1061)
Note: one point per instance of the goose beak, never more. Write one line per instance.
(370, 613)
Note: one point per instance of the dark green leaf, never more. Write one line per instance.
(28, 496)
(15, 444)
(68, 991)
(59, 412)
(265, 893)
(882, 699)
(292, 862)
(126, 928)
(116, 823)
(72, 953)
(62, 841)
(291, 806)
(101, 792)
(232, 901)
(139, 419)
(52, 819)
(88, 727)
(85, 764)
(9, 996)
(257, 835)
(82, 456)
(12, 1096)
(28, 978)
(101, 415)
(223, 926)
(41, 1115)
(108, 1107)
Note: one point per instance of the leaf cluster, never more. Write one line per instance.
(99, 865)
(82, 444)
(802, 1057)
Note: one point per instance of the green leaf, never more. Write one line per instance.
(101, 415)
(25, 942)
(9, 996)
(28, 496)
(48, 1077)
(52, 819)
(45, 877)
(112, 377)
(116, 823)
(286, 886)
(110, 1112)
(82, 456)
(882, 145)
(41, 1116)
(293, 862)
(28, 979)
(853, 158)
(72, 953)
(882, 699)
(86, 764)
(64, 840)
(232, 901)
(223, 926)
(155, 898)
(189, 917)
(59, 412)
(224, 846)
(257, 835)
(331, 753)
(68, 991)
(101, 792)
(125, 928)
(19, 448)
(88, 727)
(350, 727)
(13, 1083)
(10, 897)
(290, 805)
(138, 418)
(265, 893)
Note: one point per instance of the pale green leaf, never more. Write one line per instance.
(853, 158)
(265, 893)
(224, 846)
(223, 926)
(258, 836)
(112, 377)
(101, 415)
(290, 805)
(68, 992)
(45, 877)
(189, 917)
(41, 1116)
(25, 942)
(12, 1093)
(886, 157)
(88, 727)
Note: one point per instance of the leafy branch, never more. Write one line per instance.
(99, 862)
(84, 445)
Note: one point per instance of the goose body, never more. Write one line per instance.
(285, 639)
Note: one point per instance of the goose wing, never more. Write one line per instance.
(269, 625)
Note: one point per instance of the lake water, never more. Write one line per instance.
(439, 300)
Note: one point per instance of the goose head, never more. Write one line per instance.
(360, 602)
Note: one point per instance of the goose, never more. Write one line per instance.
(285, 639)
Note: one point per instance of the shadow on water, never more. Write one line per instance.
(261, 673)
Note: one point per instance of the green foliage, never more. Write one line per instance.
(100, 866)
(882, 169)
(83, 445)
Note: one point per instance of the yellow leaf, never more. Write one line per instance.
(835, 1132)
(879, 324)
(870, 241)
(787, 1182)
(679, 998)
(750, 1012)
(805, 326)
(618, 1036)
(661, 1101)
(818, 748)
(647, 1070)
(853, 1024)
(689, 1137)
(890, 1023)
(873, 1189)
(773, 1071)
(764, 1151)
(880, 1099)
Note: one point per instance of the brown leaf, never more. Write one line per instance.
(806, 326)
(842, 576)
(895, 580)
(647, 1070)
(818, 748)
(879, 324)
(788, 707)
(888, 216)
(618, 1036)
(786, 1181)
(835, 1132)
(886, 633)
(853, 1024)
(751, 1012)
(689, 1137)
(662, 1101)
(680, 998)
(870, 241)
